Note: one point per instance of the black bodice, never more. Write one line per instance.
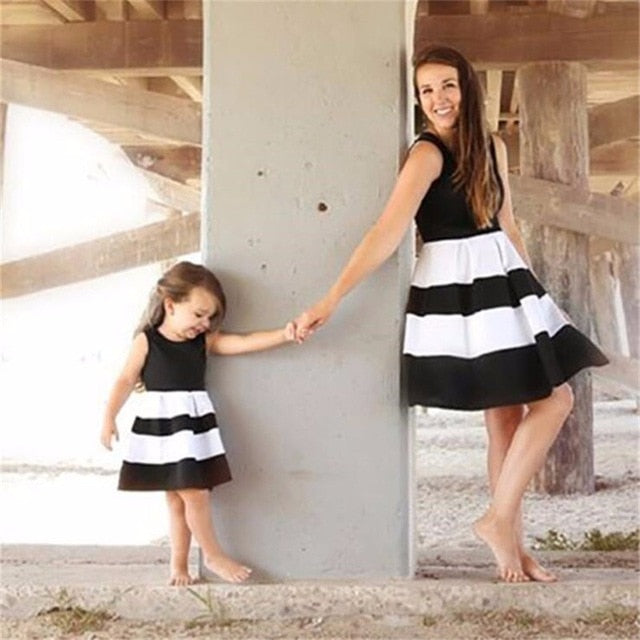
(444, 212)
(174, 366)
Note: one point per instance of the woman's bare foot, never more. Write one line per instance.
(180, 578)
(501, 542)
(534, 569)
(227, 569)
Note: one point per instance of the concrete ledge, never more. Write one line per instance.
(130, 582)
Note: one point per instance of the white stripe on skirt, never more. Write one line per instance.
(169, 404)
(482, 332)
(461, 261)
(178, 446)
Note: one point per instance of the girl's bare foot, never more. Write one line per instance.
(180, 578)
(534, 569)
(227, 569)
(501, 542)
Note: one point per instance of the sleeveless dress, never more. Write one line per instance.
(174, 442)
(480, 330)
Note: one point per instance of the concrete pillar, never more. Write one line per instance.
(305, 127)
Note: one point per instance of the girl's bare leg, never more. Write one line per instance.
(198, 516)
(501, 423)
(529, 446)
(180, 537)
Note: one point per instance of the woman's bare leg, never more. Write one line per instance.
(199, 519)
(528, 449)
(501, 424)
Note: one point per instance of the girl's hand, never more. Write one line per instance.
(289, 332)
(109, 431)
(313, 318)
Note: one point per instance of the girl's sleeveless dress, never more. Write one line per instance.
(175, 442)
(480, 330)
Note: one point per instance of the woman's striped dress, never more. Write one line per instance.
(480, 330)
(175, 441)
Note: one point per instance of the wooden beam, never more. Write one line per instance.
(96, 258)
(174, 194)
(110, 10)
(132, 47)
(191, 85)
(572, 8)
(595, 214)
(72, 10)
(163, 117)
(505, 40)
(621, 158)
(182, 164)
(614, 121)
(494, 92)
(149, 9)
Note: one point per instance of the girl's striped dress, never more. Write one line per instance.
(480, 330)
(175, 441)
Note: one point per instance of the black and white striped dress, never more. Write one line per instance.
(480, 330)
(175, 441)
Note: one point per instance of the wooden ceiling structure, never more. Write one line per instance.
(132, 71)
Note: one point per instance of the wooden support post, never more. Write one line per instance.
(554, 145)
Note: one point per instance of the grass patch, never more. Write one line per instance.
(76, 620)
(214, 613)
(70, 618)
(593, 540)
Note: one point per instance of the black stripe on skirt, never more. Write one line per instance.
(501, 378)
(481, 294)
(185, 474)
(169, 426)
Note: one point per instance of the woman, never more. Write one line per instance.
(480, 332)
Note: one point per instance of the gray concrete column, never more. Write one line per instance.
(305, 127)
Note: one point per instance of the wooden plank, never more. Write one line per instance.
(192, 86)
(614, 121)
(111, 10)
(28, 13)
(149, 9)
(100, 257)
(164, 117)
(617, 158)
(505, 41)
(72, 10)
(182, 164)
(132, 47)
(494, 92)
(572, 8)
(172, 193)
(558, 205)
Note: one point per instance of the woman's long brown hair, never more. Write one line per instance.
(473, 171)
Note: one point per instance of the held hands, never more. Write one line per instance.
(109, 431)
(313, 318)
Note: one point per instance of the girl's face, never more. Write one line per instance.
(439, 92)
(191, 316)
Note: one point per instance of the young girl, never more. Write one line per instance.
(480, 332)
(175, 443)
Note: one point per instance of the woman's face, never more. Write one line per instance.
(439, 92)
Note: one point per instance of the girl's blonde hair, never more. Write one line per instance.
(176, 284)
(474, 172)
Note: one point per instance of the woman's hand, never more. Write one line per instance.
(108, 432)
(313, 318)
